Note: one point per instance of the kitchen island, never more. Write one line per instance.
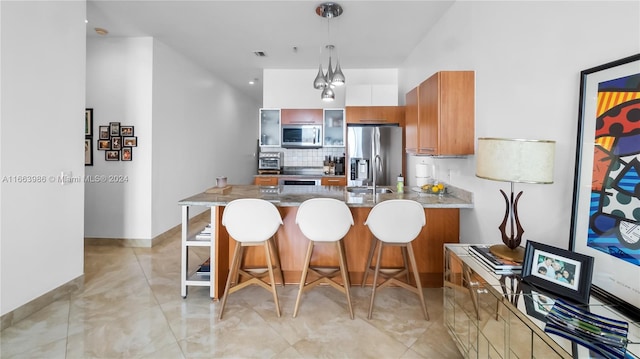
(442, 213)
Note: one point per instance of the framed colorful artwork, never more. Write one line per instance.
(606, 196)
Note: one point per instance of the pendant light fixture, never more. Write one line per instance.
(326, 81)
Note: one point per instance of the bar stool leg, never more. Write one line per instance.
(369, 258)
(235, 262)
(405, 262)
(375, 280)
(414, 266)
(272, 278)
(303, 278)
(276, 257)
(345, 274)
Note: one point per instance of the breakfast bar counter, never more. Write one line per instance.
(442, 217)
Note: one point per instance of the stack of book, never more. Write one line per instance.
(205, 235)
(205, 267)
(494, 263)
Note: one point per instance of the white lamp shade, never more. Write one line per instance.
(515, 160)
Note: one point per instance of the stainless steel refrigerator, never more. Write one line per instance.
(365, 143)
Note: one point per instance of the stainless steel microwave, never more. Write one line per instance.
(301, 136)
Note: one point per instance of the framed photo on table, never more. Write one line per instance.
(606, 196)
(558, 271)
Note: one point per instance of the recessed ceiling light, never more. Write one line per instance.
(260, 53)
(253, 82)
(101, 31)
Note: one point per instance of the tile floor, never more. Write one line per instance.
(131, 307)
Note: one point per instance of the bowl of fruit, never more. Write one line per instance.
(433, 188)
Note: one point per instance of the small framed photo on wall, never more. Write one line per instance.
(130, 141)
(116, 143)
(112, 155)
(103, 132)
(126, 154)
(126, 131)
(114, 128)
(104, 145)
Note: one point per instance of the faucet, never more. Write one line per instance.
(376, 161)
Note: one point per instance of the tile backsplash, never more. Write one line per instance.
(308, 157)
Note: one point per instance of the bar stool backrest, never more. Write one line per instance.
(396, 220)
(251, 219)
(324, 219)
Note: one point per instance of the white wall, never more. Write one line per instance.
(191, 127)
(293, 88)
(119, 89)
(42, 120)
(527, 57)
(202, 128)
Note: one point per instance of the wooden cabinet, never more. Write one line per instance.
(301, 116)
(375, 114)
(440, 115)
(411, 121)
(334, 127)
(333, 181)
(265, 181)
(269, 127)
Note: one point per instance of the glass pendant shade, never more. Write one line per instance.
(338, 77)
(327, 94)
(320, 82)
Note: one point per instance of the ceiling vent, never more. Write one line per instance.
(260, 53)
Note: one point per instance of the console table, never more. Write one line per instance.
(487, 315)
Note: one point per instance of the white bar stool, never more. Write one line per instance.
(252, 222)
(324, 220)
(396, 222)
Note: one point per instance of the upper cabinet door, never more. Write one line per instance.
(375, 115)
(411, 121)
(269, 127)
(445, 121)
(301, 116)
(334, 127)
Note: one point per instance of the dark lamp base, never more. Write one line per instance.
(502, 251)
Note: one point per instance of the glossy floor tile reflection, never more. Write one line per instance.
(131, 307)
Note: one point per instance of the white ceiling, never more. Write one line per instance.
(222, 35)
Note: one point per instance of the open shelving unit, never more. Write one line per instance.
(191, 277)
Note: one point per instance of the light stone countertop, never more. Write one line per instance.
(293, 196)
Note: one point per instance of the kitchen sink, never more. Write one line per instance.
(368, 190)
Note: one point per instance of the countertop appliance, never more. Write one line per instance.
(373, 147)
(301, 136)
(270, 161)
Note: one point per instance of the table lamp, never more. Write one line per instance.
(514, 160)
